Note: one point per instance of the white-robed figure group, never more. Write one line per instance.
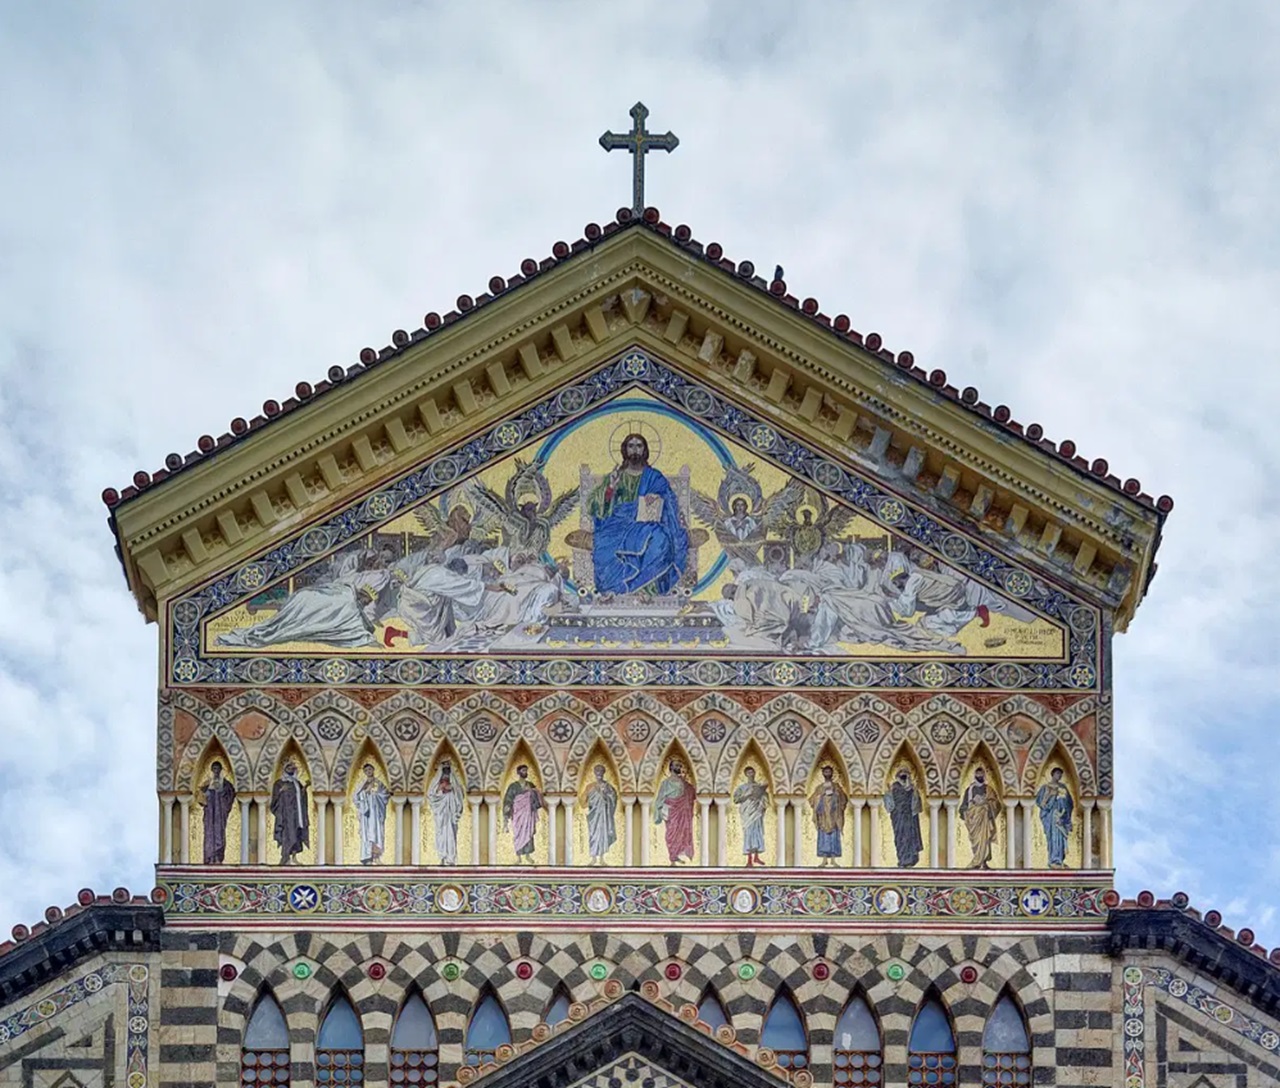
(841, 596)
(426, 599)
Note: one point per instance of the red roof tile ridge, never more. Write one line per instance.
(1212, 919)
(85, 898)
(713, 253)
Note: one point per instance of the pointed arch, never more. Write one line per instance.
(819, 748)
(218, 826)
(445, 786)
(1058, 836)
(981, 813)
(980, 734)
(302, 739)
(826, 807)
(415, 1043)
(1006, 1044)
(931, 1046)
(188, 760)
(264, 1050)
(429, 750)
(582, 752)
(904, 831)
(711, 1010)
(752, 831)
(784, 1032)
(768, 752)
(354, 750)
(557, 1010)
(673, 829)
(369, 832)
(517, 803)
(881, 770)
(520, 734)
(340, 1044)
(291, 753)
(858, 1045)
(599, 815)
(488, 1028)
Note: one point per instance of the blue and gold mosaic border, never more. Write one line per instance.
(464, 898)
(187, 664)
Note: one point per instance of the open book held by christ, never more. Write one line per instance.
(649, 508)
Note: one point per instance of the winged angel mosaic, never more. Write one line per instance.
(605, 539)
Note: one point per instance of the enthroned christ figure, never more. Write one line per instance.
(639, 539)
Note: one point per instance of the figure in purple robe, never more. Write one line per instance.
(292, 813)
(217, 796)
(520, 805)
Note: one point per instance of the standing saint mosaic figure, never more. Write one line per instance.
(828, 804)
(902, 803)
(602, 809)
(979, 808)
(446, 802)
(1053, 799)
(752, 799)
(371, 810)
(673, 806)
(520, 805)
(292, 814)
(217, 796)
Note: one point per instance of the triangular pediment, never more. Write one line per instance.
(536, 551)
(633, 1042)
(464, 375)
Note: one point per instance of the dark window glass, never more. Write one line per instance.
(932, 1048)
(340, 1048)
(856, 1057)
(415, 1047)
(487, 1031)
(784, 1034)
(1006, 1047)
(710, 1011)
(558, 1010)
(264, 1060)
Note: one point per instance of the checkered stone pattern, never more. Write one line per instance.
(631, 1070)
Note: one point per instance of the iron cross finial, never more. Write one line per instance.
(639, 142)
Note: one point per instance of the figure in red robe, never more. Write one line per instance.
(673, 806)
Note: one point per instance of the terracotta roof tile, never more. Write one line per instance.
(712, 254)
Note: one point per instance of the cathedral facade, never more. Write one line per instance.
(635, 675)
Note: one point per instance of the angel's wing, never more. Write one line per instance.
(740, 483)
(490, 510)
(779, 509)
(526, 475)
(429, 518)
(561, 507)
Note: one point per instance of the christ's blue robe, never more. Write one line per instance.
(631, 555)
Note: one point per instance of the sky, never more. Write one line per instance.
(1070, 206)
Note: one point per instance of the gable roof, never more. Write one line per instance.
(636, 281)
(630, 1025)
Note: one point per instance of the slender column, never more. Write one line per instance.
(184, 829)
(568, 829)
(934, 804)
(166, 829)
(628, 831)
(876, 803)
(474, 800)
(1010, 840)
(722, 830)
(415, 831)
(780, 804)
(704, 827)
(398, 808)
(553, 806)
(857, 806)
(491, 804)
(1028, 826)
(338, 835)
(1104, 831)
(797, 824)
(1086, 830)
(645, 834)
(953, 806)
(262, 829)
(244, 830)
(322, 804)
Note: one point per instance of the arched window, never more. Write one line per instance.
(415, 1047)
(487, 1030)
(264, 1057)
(931, 1057)
(340, 1047)
(558, 1008)
(857, 1054)
(784, 1033)
(1006, 1046)
(711, 1010)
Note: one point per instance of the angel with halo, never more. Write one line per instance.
(815, 522)
(741, 516)
(524, 515)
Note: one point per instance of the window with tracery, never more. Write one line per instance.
(340, 1047)
(931, 1049)
(857, 1056)
(415, 1047)
(264, 1055)
(784, 1033)
(1006, 1046)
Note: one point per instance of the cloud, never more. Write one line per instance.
(1069, 208)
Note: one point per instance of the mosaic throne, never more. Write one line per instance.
(580, 539)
